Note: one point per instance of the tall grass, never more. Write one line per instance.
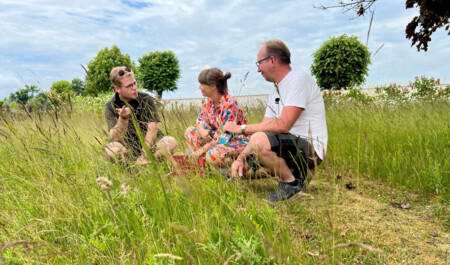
(406, 144)
(52, 211)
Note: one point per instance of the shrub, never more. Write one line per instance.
(424, 87)
(444, 92)
(59, 87)
(341, 62)
(358, 95)
(392, 92)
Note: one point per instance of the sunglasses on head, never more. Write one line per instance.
(121, 72)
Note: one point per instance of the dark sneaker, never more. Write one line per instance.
(283, 192)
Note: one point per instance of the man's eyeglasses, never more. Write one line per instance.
(121, 73)
(130, 86)
(263, 59)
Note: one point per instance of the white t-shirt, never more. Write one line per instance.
(299, 89)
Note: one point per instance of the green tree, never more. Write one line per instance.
(341, 62)
(60, 87)
(97, 78)
(77, 86)
(42, 99)
(159, 71)
(24, 95)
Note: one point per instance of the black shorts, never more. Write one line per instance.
(298, 153)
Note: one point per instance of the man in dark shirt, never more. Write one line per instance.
(126, 142)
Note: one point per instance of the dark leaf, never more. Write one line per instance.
(350, 186)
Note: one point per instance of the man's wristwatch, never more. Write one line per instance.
(243, 127)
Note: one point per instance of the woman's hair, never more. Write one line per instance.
(214, 76)
(119, 72)
(279, 50)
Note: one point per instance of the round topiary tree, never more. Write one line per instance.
(341, 62)
(159, 71)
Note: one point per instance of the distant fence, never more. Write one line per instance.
(255, 100)
(187, 103)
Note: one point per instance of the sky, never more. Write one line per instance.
(45, 41)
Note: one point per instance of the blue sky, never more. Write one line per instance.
(46, 41)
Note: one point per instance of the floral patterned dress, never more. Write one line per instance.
(228, 146)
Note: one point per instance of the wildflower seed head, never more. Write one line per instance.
(125, 189)
(103, 181)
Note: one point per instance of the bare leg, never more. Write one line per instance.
(165, 147)
(259, 143)
(116, 149)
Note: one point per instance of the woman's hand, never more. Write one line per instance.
(202, 132)
(195, 156)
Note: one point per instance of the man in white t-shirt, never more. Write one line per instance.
(292, 137)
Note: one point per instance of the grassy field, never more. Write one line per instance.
(62, 202)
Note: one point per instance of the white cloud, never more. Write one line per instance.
(52, 38)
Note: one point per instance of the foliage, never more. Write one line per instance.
(159, 71)
(424, 87)
(92, 104)
(392, 92)
(25, 94)
(42, 99)
(60, 87)
(444, 92)
(341, 62)
(359, 95)
(77, 86)
(99, 68)
(432, 15)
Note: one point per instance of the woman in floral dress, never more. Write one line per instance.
(207, 136)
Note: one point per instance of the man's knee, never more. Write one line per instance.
(168, 143)
(259, 143)
(115, 149)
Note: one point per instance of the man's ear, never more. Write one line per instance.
(116, 88)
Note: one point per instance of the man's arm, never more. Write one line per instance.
(150, 136)
(120, 129)
(289, 116)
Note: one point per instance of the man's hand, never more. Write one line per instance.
(124, 112)
(232, 127)
(237, 169)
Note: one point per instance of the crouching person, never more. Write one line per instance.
(126, 144)
(292, 137)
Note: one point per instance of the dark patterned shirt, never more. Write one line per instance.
(144, 109)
